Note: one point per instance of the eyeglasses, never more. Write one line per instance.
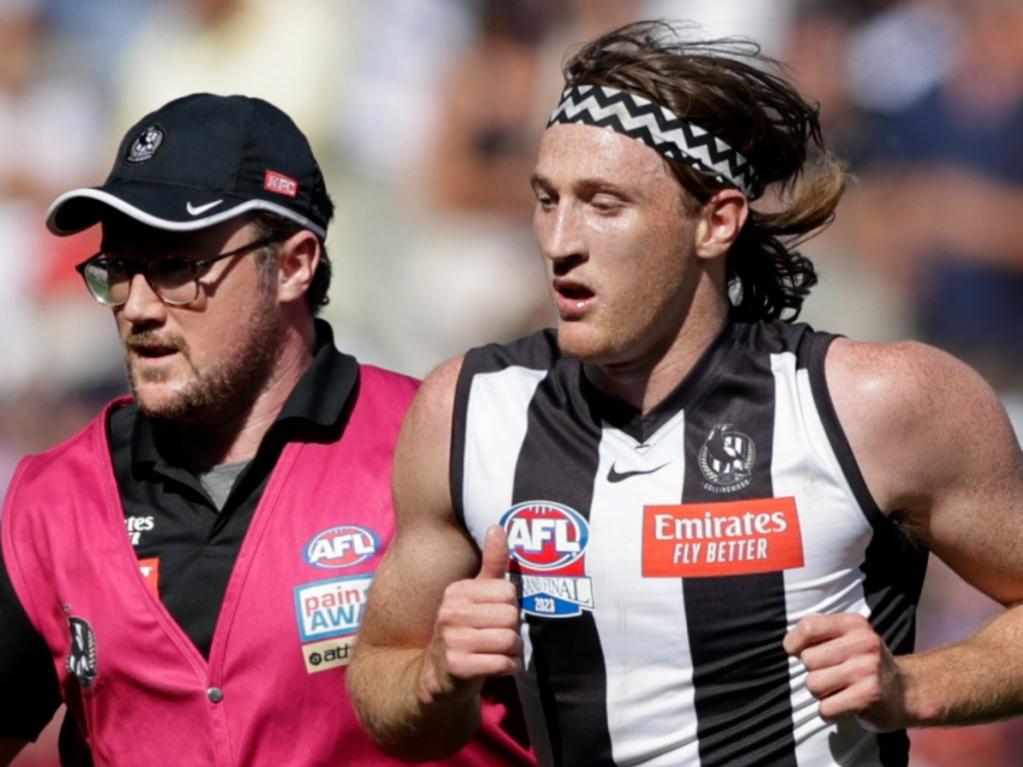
(174, 278)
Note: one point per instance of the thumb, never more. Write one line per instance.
(495, 554)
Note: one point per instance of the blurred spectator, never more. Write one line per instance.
(455, 244)
(391, 102)
(288, 53)
(852, 296)
(49, 121)
(901, 51)
(92, 36)
(939, 205)
(487, 131)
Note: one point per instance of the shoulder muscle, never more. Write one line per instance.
(935, 447)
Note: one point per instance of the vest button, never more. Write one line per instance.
(215, 694)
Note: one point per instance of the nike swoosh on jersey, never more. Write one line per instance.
(195, 210)
(614, 476)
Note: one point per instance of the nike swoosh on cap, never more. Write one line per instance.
(196, 210)
(614, 476)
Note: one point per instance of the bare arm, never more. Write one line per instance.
(10, 748)
(937, 452)
(440, 617)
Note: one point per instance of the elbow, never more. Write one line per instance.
(400, 725)
(418, 742)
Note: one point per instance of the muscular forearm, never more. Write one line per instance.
(977, 680)
(405, 722)
(851, 671)
(417, 689)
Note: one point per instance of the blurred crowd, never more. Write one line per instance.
(426, 116)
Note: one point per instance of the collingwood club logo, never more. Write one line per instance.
(726, 459)
(81, 661)
(145, 145)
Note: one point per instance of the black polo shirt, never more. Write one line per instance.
(170, 518)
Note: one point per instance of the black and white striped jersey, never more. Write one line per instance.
(661, 558)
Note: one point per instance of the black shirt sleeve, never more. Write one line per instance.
(29, 692)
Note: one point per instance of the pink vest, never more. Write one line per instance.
(272, 691)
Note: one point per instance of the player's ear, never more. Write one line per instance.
(297, 260)
(719, 222)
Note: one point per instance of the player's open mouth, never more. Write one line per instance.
(573, 299)
(154, 352)
(577, 293)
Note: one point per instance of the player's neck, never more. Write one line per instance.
(237, 435)
(645, 381)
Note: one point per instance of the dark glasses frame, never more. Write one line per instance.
(131, 268)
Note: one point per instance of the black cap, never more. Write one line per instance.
(200, 160)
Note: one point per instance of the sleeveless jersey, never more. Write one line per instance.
(272, 691)
(661, 558)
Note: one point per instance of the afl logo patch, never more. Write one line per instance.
(145, 145)
(726, 459)
(547, 544)
(543, 535)
(342, 546)
(81, 659)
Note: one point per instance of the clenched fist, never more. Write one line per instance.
(476, 633)
(849, 669)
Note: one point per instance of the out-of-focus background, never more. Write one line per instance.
(426, 115)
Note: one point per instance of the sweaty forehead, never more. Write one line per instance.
(570, 152)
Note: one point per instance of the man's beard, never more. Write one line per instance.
(225, 389)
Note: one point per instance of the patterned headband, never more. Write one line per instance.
(657, 127)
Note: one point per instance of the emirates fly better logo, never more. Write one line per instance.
(695, 540)
(547, 543)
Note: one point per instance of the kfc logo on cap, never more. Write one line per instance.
(278, 183)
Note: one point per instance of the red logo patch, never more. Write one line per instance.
(694, 540)
(280, 184)
(150, 569)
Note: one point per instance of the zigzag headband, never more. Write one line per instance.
(657, 127)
